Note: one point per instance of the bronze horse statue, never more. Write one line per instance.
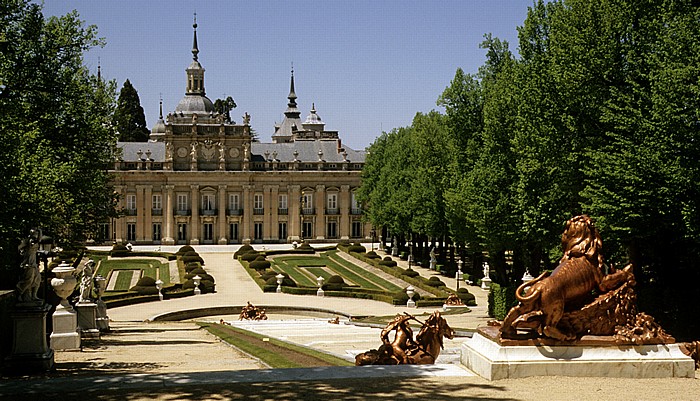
(404, 350)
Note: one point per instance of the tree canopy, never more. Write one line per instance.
(55, 123)
(129, 120)
(599, 114)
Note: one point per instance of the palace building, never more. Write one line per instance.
(201, 179)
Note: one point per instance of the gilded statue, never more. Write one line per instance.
(403, 349)
(562, 306)
(251, 312)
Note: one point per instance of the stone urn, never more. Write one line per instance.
(64, 283)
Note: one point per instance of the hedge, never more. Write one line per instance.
(260, 264)
(250, 256)
(409, 273)
(243, 250)
(501, 299)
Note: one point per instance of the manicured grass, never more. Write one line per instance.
(268, 352)
(384, 284)
(123, 279)
(150, 267)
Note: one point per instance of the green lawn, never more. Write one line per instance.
(304, 270)
(150, 268)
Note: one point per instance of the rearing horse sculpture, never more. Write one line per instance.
(404, 350)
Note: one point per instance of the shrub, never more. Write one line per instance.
(197, 271)
(410, 273)
(435, 282)
(334, 283)
(250, 256)
(271, 273)
(205, 286)
(118, 251)
(286, 282)
(243, 250)
(145, 286)
(501, 299)
(400, 298)
(191, 258)
(466, 297)
(344, 242)
(306, 246)
(259, 264)
(191, 266)
(357, 248)
(372, 255)
(184, 249)
(403, 255)
(202, 277)
(388, 262)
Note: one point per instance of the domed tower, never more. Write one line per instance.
(195, 100)
(292, 118)
(313, 121)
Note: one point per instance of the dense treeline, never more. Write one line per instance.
(57, 142)
(599, 114)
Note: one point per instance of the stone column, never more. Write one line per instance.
(320, 229)
(344, 205)
(168, 215)
(270, 200)
(222, 215)
(194, 204)
(147, 216)
(119, 223)
(294, 212)
(247, 220)
(140, 211)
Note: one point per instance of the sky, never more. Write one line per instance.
(368, 66)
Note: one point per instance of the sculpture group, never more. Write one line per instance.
(579, 299)
(403, 349)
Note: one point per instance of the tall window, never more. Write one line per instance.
(356, 229)
(332, 229)
(282, 230)
(233, 202)
(208, 231)
(308, 203)
(282, 201)
(131, 232)
(157, 232)
(157, 202)
(332, 201)
(353, 202)
(182, 202)
(307, 229)
(131, 202)
(258, 230)
(233, 232)
(182, 232)
(208, 202)
(257, 204)
(104, 232)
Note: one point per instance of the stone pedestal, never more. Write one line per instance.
(102, 319)
(486, 283)
(493, 361)
(65, 334)
(30, 352)
(87, 319)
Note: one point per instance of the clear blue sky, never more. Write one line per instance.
(367, 65)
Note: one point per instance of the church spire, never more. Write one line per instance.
(195, 48)
(292, 95)
(161, 106)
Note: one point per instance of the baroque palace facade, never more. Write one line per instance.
(201, 179)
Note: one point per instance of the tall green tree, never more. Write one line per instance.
(54, 117)
(129, 120)
(224, 107)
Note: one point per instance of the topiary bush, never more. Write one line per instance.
(501, 299)
(119, 251)
(372, 255)
(357, 248)
(401, 298)
(271, 273)
(145, 286)
(334, 283)
(184, 249)
(435, 282)
(250, 256)
(191, 266)
(206, 286)
(242, 250)
(388, 262)
(286, 282)
(466, 297)
(410, 273)
(259, 264)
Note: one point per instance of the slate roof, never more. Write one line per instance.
(130, 150)
(307, 151)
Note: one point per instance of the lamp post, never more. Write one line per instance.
(373, 233)
(458, 275)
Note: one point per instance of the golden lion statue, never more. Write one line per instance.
(544, 300)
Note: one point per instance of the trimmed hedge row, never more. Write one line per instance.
(501, 299)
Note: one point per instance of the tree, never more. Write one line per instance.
(54, 118)
(224, 107)
(129, 119)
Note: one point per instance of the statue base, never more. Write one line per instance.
(87, 319)
(593, 356)
(102, 320)
(30, 352)
(65, 334)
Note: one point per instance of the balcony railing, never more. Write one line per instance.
(234, 212)
(283, 211)
(183, 212)
(333, 211)
(208, 212)
(308, 210)
(130, 212)
(355, 211)
(258, 211)
(156, 212)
